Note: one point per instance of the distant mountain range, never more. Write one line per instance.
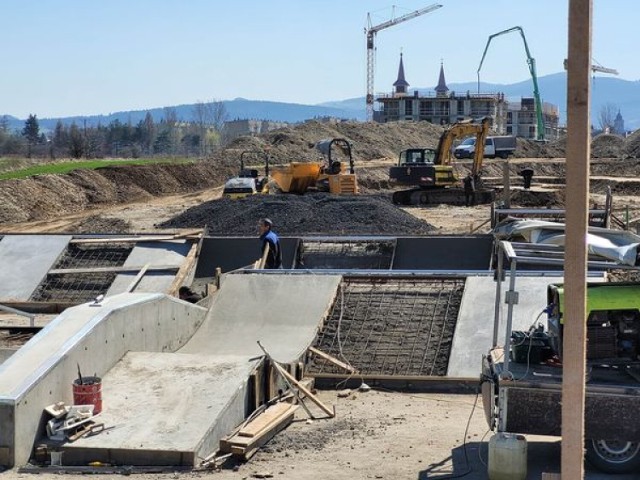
(623, 94)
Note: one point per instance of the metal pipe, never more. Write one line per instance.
(496, 318)
(512, 299)
(30, 316)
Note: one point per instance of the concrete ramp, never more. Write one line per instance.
(474, 329)
(284, 312)
(166, 409)
(173, 408)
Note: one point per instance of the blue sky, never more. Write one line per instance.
(80, 57)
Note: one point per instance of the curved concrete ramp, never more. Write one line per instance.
(173, 408)
(283, 312)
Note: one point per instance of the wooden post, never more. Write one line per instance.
(506, 184)
(578, 153)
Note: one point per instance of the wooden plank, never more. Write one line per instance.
(264, 419)
(149, 238)
(137, 278)
(254, 443)
(304, 390)
(332, 360)
(123, 269)
(184, 270)
(243, 441)
(577, 167)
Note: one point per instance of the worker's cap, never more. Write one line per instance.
(184, 290)
(266, 222)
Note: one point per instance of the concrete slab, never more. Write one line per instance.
(169, 253)
(283, 312)
(25, 261)
(167, 409)
(474, 329)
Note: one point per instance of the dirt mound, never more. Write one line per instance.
(607, 146)
(538, 199)
(370, 141)
(632, 145)
(48, 196)
(526, 148)
(313, 213)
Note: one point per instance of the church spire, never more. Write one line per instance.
(442, 89)
(401, 84)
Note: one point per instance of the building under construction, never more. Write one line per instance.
(444, 107)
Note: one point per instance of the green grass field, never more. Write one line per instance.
(68, 166)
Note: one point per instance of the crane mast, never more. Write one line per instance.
(371, 33)
(531, 62)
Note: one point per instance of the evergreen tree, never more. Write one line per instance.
(31, 130)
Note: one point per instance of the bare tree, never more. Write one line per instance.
(607, 116)
(203, 115)
(171, 123)
(220, 118)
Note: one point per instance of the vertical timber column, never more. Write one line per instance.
(578, 153)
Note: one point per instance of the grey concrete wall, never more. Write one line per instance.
(95, 337)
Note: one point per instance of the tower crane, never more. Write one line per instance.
(371, 32)
(531, 62)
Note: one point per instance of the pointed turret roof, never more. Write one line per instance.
(442, 88)
(401, 83)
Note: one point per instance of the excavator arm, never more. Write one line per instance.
(462, 129)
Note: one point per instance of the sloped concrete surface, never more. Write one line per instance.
(154, 254)
(25, 261)
(283, 312)
(172, 409)
(474, 329)
(165, 407)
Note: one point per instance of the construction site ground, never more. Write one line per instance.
(376, 434)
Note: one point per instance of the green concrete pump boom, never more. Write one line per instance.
(532, 69)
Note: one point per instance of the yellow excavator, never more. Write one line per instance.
(431, 174)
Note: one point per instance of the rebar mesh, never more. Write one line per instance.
(76, 287)
(94, 255)
(346, 254)
(391, 326)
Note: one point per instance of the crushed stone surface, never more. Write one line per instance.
(312, 213)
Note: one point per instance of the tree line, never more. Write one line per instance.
(199, 136)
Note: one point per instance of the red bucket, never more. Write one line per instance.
(89, 392)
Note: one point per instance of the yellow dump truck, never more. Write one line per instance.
(328, 176)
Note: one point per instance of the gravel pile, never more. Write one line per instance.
(309, 214)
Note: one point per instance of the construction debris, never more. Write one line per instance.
(259, 431)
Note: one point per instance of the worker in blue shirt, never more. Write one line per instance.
(270, 238)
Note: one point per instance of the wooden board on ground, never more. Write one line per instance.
(263, 430)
